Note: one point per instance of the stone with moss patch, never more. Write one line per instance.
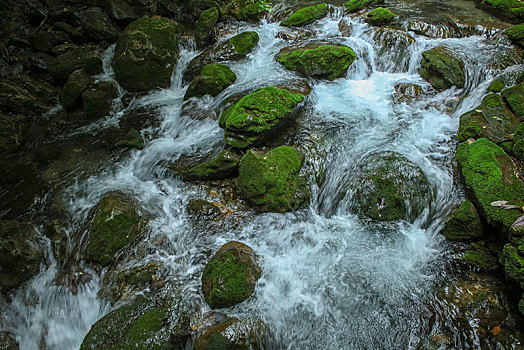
(116, 223)
(146, 54)
(481, 260)
(491, 120)
(512, 10)
(258, 115)
(213, 79)
(496, 86)
(230, 275)
(380, 17)
(231, 333)
(241, 10)
(489, 175)
(357, 5)
(143, 324)
(513, 263)
(516, 34)
(205, 25)
(325, 61)
(223, 166)
(306, 16)
(464, 224)
(86, 58)
(518, 143)
(514, 97)
(78, 82)
(441, 69)
(97, 99)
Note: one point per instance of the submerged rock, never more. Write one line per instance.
(146, 54)
(306, 16)
(464, 224)
(357, 5)
(389, 187)
(230, 275)
(258, 115)
(271, 181)
(230, 333)
(325, 61)
(491, 120)
(116, 223)
(213, 79)
(144, 324)
(442, 70)
(20, 254)
(380, 16)
(202, 210)
(407, 91)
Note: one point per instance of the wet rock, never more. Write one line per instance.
(97, 99)
(271, 181)
(306, 16)
(86, 57)
(121, 11)
(76, 33)
(407, 91)
(241, 10)
(257, 115)
(56, 231)
(213, 79)
(345, 28)
(393, 48)
(389, 187)
(357, 5)
(40, 61)
(491, 120)
(78, 81)
(99, 26)
(146, 54)
(506, 9)
(325, 61)
(230, 275)
(380, 17)
(205, 25)
(518, 143)
(230, 333)
(143, 324)
(12, 131)
(516, 34)
(514, 97)
(464, 224)
(132, 139)
(45, 40)
(117, 223)
(223, 166)
(479, 256)
(8, 341)
(25, 95)
(489, 175)
(20, 254)
(442, 70)
(202, 210)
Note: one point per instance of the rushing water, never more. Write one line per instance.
(330, 280)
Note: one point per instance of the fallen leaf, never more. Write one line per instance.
(499, 203)
(519, 221)
(495, 330)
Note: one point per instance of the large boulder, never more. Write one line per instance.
(230, 275)
(380, 16)
(324, 61)
(213, 79)
(258, 115)
(87, 58)
(20, 254)
(146, 54)
(389, 187)
(512, 10)
(464, 224)
(306, 16)
(514, 97)
(491, 120)
(117, 222)
(159, 324)
(271, 181)
(357, 5)
(490, 176)
(205, 25)
(442, 70)
(516, 34)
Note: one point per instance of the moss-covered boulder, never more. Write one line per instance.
(518, 143)
(116, 223)
(230, 275)
(223, 166)
(98, 97)
(442, 70)
(20, 254)
(512, 10)
(325, 61)
(514, 97)
(144, 324)
(213, 79)
(78, 82)
(271, 181)
(464, 224)
(389, 187)
(480, 258)
(241, 10)
(230, 333)
(146, 54)
(87, 58)
(380, 17)
(306, 16)
(205, 25)
(489, 175)
(516, 34)
(496, 86)
(512, 259)
(491, 120)
(258, 116)
(357, 5)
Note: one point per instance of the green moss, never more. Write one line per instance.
(271, 182)
(514, 97)
(357, 5)
(223, 166)
(256, 114)
(516, 34)
(490, 120)
(512, 10)
(518, 143)
(496, 86)
(464, 224)
(442, 70)
(507, 147)
(380, 16)
(213, 79)
(245, 42)
(324, 61)
(481, 260)
(306, 16)
(513, 263)
(208, 19)
(489, 175)
(115, 225)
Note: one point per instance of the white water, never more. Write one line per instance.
(329, 279)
